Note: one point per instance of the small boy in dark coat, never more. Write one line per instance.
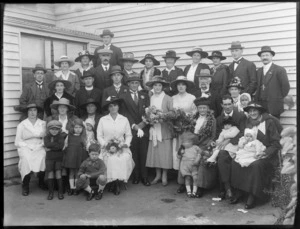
(91, 170)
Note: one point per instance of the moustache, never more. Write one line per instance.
(265, 59)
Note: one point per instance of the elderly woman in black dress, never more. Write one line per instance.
(257, 176)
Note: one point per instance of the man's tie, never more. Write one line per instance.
(237, 62)
(40, 86)
(135, 98)
(106, 69)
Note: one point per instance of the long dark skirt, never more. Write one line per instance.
(224, 166)
(207, 176)
(252, 179)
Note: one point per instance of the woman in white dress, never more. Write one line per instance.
(29, 141)
(184, 101)
(115, 126)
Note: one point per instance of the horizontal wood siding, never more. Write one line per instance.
(156, 28)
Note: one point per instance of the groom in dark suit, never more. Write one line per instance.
(242, 68)
(133, 108)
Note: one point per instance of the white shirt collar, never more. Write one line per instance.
(129, 72)
(107, 66)
(107, 45)
(89, 88)
(267, 66)
(81, 69)
(230, 114)
(39, 83)
(59, 97)
(168, 70)
(239, 59)
(117, 86)
(65, 77)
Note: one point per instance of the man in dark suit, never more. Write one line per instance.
(273, 83)
(117, 54)
(36, 92)
(242, 68)
(133, 108)
(128, 61)
(102, 72)
(224, 159)
(89, 91)
(117, 88)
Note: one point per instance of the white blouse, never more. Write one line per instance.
(60, 74)
(64, 124)
(191, 73)
(185, 102)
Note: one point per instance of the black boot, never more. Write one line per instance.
(60, 189)
(66, 185)
(51, 188)
(25, 185)
(42, 184)
(117, 187)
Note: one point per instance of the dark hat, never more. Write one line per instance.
(33, 105)
(110, 100)
(236, 45)
(216, 54)
(67, 83)
(202, 101)
(157, 79)
(133, 77)
(235, 82)
(198, 50)
(39, 67)
(204, 73)
(150, 56)
(78, 121)
(128, 56)
(106, 32)
(64, 59)
(104, 51)
(171, 54)
(266, 49)
(89, 101)
(255, 105)
(84, 53)
(228, 120)
(54, 124)
(182, 79)
(62, 101)
(86, 74)
(116, 69)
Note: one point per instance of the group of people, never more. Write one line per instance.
(87, 128)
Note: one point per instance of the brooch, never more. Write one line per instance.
(142, 97)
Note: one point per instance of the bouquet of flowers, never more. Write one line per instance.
(113, 146)
(181, 121)
(153, 115)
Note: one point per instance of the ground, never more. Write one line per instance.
(138, 205)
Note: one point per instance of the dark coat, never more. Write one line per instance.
(115, 58)
(53, 98)
(133, 112)
(246, 71)
(276, 86)
(156, 72)
(82, 96)
(220, 80)
(239, 118)
(55, 146)
(97, 118)
(102, 78)
(125, 77)
(171, 77)
(197, 72)
(111, 91)
(78, 73)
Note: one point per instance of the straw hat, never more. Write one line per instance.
(33, 105)
(64, 59)
(82, 54)
(198, 50)
(62, 101)
(128, 56)
(182, 79)
(157, 79)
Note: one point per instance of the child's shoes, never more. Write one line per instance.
(189, 194)
(76, 192)
(98, 195)
(91, 195)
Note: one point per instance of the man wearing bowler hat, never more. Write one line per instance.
(117, 88)
(86, 92)
(128, 61)
(36, 92)
(102, 72)
(273, 83)
(117, 54)
(242, 68)
(133, 108)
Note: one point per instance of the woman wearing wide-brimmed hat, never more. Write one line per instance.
(149, 70)
(59, 88)
(160, 149)
(84, 58)
(220, 73)
(192, 70)
(29, 143)
(234, 88)
(64, 63)
(110, 127)
(256, 178)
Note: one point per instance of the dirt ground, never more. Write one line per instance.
(138, 205)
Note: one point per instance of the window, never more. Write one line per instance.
(44, 50)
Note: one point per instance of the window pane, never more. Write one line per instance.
(59, 49)
(32, 51)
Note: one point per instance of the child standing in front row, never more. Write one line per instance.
(75, 152)
(190, 155)
(92, 168)
(90, 135)
(54, 143)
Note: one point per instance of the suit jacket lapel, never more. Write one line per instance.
(269, 74)
(239, 65)
(131, 102)
(34, 88)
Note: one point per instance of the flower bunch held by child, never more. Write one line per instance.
(181, 121)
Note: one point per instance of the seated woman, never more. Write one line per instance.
(115, 127)
(29, 141)
(64, 63)
(205, 128)
(59, 88)
(257, 176)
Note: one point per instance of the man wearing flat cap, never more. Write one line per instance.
(117, 54)
(273, 83)
(35, 92)
(86, 92)
(102, 72)
(242, 68)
